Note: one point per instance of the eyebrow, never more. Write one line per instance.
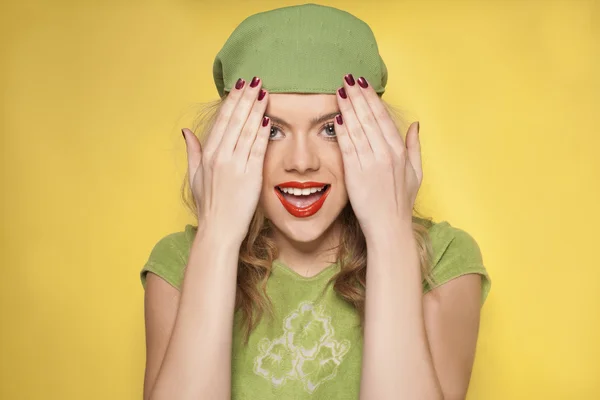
(313, 121)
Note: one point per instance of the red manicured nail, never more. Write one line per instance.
(339, 119)
(342, 93)
(261, 95)
(350, 79)
(240, 83)
(183, 134)
(363, 82)
(418, 126)
(254, 82)
(265, 121)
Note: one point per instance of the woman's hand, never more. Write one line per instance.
(226, 176)
(382, 174)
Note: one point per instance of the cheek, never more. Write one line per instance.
(267, 166)
(337, 162)
(267, 174)
(337, 168)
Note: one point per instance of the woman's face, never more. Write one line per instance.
(303, 157)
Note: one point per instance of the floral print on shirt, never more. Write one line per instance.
(307, 350)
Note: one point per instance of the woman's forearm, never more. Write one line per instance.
(197, 362)
(397, 363)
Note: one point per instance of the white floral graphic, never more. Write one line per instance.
(306, 351)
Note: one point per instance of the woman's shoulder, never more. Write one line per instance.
(455, 252)
(176, 243)
(448, 239)
(169, 256)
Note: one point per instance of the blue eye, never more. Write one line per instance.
(330, 131)
(328, 128)
(273, 131)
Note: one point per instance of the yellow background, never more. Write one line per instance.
(94, 94)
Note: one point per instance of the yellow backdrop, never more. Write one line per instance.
(94, 95)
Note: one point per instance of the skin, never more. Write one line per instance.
(300, 150)
(429, 340)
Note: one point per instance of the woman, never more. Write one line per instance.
(302, 181)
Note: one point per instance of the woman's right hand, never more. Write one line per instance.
(226, 175)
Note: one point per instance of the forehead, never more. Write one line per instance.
(300, 106)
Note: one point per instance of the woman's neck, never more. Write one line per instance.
(309, 258)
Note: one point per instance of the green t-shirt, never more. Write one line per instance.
(313, 347)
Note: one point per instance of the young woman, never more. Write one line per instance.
(307, 275)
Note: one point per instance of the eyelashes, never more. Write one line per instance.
(328, 127)
(331, 126)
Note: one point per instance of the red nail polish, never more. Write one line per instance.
(261, 95)
(183, 134)
(363, 82)
(342, 93)
(418, 126)
(254, 82)
(349, 79)
(265, 121)
(240, 83)
(339, 119)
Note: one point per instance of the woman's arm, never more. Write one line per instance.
(415, 346)
(197, 361)
(397, 362)
(452, 313)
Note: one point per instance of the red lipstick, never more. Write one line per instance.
(302, 185)
(302, 212)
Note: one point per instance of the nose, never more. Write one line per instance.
(301, 156)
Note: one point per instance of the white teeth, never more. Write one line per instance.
(301, 192)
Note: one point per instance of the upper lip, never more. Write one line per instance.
(301, 185)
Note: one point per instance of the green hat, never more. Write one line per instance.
(306, 48)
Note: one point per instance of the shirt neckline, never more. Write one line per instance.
(330, 270)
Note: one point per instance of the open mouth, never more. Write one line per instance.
(302, 200)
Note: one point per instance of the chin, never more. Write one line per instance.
(301, 227)
(302, 231)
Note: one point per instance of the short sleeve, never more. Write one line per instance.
(169, 257)
(456, 253)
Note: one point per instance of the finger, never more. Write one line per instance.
(354, 129)
(413, 143)
(251, 127)
(225, 113)
(385, 122)
(349, 155)
(238, 118)
(256, 157)
(194, 151)
(365, 116)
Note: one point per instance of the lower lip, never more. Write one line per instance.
(306, 211)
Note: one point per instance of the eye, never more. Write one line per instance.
(274, 131)
(329, 130)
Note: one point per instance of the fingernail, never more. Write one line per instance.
(339, 119)
(362, 82)
(350, 79)
(265, 121)
(418, 126)
(254, 82)
(240, 83)
(261, 95)
(342, 93)
(183, 134)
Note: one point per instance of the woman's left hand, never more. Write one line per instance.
(382, 173)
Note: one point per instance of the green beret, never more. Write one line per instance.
(306, 48)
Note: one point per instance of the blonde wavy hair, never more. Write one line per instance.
(258, 250)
